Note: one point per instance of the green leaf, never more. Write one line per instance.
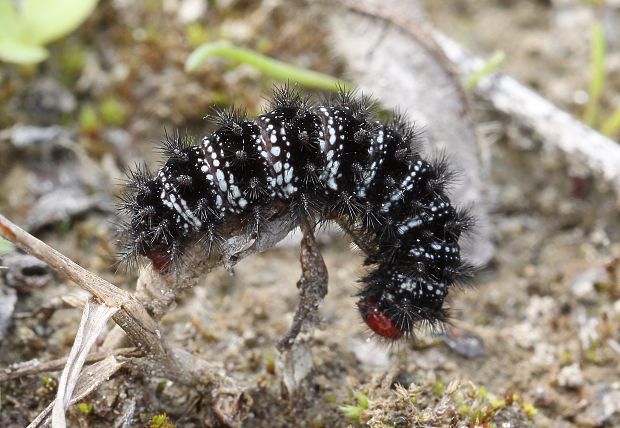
(9, 21)
(48, 20)
(277, 69)
(21, 53)
(27, 25)
(5, 246)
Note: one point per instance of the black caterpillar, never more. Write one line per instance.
(318, 163)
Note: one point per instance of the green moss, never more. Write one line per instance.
(71, 61)
(49, 382)
(566, 358)
(270, 363)
(85, 408)
(64, 227)
(351, 412)
(331, 398)
(529, 409)
(196, 34)
(439, 388)
(354, 412)
(161, 421)
(496, 403)
(88, 119)
(113, 112)
(362, 399)
(592, 353)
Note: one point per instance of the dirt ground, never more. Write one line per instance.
(535, 341)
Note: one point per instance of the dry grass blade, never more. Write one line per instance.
(89, 380)
(93, 322)
(34, 367)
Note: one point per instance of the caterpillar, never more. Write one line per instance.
(333, 161)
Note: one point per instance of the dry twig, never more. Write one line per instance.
(57, 364)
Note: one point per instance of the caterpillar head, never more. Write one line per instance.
(394, 304)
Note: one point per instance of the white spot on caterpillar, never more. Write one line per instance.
(221, 180)
(288, 175)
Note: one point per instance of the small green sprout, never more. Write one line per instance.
(49, 382)
(113, 112)
(362, 399)
(85, 408)
(89, 119)
(354, 412)
(592, 354)
(597, 82)
(26, 26)
(598, 57)
(161, 421)
(439, 387)
(490, 66)
(277, 69)
(529, 409)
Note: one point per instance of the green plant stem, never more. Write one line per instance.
(611, 126)
(277, 69)
(597, 81)
(491, 65)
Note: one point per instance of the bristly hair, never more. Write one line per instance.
(288, 96)
(363, 107)
(228, 119)
(173, 145)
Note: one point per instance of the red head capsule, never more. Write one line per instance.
(377, 320)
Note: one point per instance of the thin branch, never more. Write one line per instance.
(105, 292)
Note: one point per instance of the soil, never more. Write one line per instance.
(535, 339)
